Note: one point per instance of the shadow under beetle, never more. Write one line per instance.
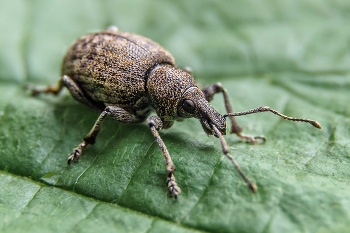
(127, 76)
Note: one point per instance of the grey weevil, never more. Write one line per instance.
(127, 76)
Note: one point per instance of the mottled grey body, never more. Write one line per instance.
(127, 76)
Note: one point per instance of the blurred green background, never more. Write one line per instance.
(291, 55)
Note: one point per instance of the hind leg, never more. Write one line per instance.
(72, 87)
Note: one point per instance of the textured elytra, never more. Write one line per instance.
(110, 68)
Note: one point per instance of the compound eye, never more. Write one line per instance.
(188, 106)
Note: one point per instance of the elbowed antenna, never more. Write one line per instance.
(251, 185)
(268, 109)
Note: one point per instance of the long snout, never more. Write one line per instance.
(208, 116)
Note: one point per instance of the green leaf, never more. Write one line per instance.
(290, 55)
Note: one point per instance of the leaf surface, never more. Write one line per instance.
(292, 56)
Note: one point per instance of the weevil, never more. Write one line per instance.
(127, 76)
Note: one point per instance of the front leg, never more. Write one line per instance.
(155, 124)
(209, 93)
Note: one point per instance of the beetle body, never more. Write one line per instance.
(113, 68)
(127, 76)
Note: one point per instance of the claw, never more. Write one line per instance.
(69, 160)
(251, 139)
(72, 157)
(172, 186)
(75, 155)
(34, 91)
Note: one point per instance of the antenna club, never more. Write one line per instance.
(316, 124)
(253, 187)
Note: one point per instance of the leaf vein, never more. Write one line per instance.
(205, 188)
(150, 226)
(24, 207)
(96, 157)
(133, 173)
(84, 217)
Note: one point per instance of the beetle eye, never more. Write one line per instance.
(188, 106)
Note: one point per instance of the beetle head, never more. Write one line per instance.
(174, 95)
(194, 104)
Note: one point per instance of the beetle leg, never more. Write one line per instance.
(49, 89)
(117, 113)
(209, 93)
(72, 87)
(224, 146)
(155, 124)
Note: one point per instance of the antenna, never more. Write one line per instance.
(268, 109)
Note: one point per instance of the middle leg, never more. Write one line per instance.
(116, 113)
